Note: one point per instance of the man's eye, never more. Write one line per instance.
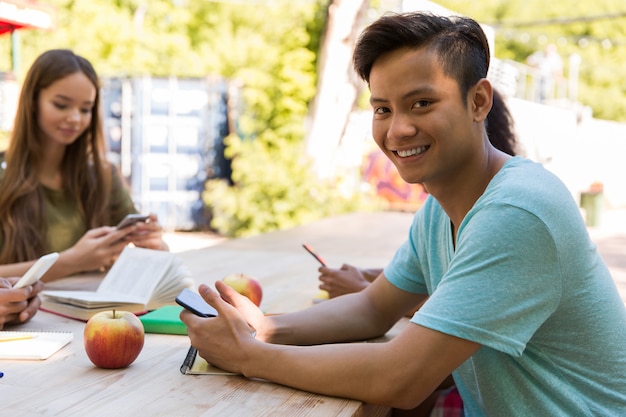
(421, 103)
(381, 110)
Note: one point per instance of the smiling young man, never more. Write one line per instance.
(521, 309)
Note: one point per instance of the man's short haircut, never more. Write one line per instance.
(459, 43)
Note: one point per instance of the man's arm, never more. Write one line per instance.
(400, 373)
(358, 316)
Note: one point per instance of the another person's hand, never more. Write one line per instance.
(149, 235)
(346, 280)
(221, 340)
(98, 248)
(20, 304)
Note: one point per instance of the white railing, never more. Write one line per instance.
(519, 80)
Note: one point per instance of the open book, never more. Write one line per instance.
(140, 280)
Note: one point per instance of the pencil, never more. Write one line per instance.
(12, 338)
(315, 255)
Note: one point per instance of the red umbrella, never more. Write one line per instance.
(25, 14)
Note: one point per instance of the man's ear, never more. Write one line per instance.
(480, 99)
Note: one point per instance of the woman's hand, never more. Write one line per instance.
(149, 234)
(20, 304)
(346, 280)
(98, 248)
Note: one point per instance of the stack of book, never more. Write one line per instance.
(140, 280)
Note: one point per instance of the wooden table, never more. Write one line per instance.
(68, 384)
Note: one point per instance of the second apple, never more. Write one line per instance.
(245, 285)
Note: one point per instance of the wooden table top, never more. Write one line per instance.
(67, 384)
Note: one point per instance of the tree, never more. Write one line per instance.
(270, 57)
(274, 185)
(596, 31)
(337, 85)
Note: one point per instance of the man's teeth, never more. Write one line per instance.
(413, 151)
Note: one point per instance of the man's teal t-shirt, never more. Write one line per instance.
(525, 281)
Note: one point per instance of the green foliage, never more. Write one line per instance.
(4, 140)
(274, 185)
(120, 38)
(269, 53)
(268, 195)
(599, 42)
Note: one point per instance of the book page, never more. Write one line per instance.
(139, 276)
(84, 313)
(176, 278)
(137, 272)
(91, 299)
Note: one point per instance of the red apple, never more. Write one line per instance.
(113, 339)
(245, 285)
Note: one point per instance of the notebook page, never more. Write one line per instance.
(32, 344)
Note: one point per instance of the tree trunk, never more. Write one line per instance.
(337, 86)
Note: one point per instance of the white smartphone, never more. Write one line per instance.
(37, 270)
(131, 219)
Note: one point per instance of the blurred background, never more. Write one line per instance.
(241, 117)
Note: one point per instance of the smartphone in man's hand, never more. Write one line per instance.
(194, 302)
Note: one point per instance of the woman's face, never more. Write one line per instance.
(65, 109)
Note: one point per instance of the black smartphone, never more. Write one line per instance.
(131, 219)
(193, 302)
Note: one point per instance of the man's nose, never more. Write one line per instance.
(401, 126)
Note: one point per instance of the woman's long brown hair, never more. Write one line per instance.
(86, 173)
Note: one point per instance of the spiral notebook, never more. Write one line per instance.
(32, 344)
(194, 364)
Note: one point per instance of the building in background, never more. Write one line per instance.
(167, 137)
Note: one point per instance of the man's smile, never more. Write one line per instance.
(410, 152)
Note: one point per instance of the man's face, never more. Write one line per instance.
(420, 120)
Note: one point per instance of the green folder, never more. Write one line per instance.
(164, 320)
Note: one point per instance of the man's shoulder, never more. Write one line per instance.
(520, 175)
(529, 186)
